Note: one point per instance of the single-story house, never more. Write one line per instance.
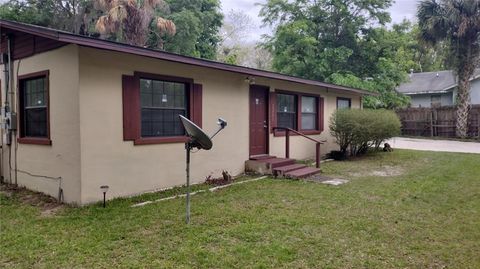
(92, 112)
(437, 88)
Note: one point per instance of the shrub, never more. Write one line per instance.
(358, 130)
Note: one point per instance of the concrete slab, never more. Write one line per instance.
(434, 145)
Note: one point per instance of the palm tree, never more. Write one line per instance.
(456, 22)
(131, 19)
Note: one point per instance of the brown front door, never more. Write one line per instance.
(258, 120)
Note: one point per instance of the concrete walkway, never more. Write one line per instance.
(434, 145)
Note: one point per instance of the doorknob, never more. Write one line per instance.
(265, 124)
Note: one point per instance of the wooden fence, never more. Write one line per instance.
(438, 121)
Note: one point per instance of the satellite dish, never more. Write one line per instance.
(199, 139)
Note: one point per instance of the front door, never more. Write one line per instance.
(258, 120)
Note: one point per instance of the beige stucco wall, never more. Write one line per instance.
(62, 158)
(108, 160)
(86, 127)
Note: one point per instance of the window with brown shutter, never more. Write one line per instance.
(296, 110)
(152, 105)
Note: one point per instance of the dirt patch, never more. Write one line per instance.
(383, 171)
(47, 205)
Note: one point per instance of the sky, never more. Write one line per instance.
(400, 10)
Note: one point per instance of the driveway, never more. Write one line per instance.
(434, 145)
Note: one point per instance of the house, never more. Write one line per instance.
(92, 112)
(438, 88)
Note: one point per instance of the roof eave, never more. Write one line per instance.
(125, 48)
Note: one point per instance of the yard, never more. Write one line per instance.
(403, 209)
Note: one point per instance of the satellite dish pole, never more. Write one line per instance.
(197, 139)
(188, 148)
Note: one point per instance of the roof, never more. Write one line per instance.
(432, 82)
(70, 38)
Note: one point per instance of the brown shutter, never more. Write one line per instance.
(273, 110)
(131, 108)
(196, 103)
(321, 114)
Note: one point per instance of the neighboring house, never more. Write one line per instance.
(438, 88)
(94, 112)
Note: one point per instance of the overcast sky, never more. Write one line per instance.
(401, 9)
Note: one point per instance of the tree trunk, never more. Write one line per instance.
(463, 105)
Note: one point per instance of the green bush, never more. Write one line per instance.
(358, 130)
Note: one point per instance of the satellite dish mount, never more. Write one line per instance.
(197, 138)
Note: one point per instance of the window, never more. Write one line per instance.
(161, 104)
(298, 111)
(436, 100)
(309, 113)
(34, 125)
(344, 103)
(286, 111)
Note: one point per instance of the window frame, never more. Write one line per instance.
(345, 99)
(162, 139)
(298, 127)
(22, 138)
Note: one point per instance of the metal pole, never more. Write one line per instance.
(104, 203)
(187, 148)
(317, 156)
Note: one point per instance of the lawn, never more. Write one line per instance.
(406, 209)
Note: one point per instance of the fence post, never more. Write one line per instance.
(431, 123)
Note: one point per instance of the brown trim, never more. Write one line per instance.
(139, 75)
(114, 46)
(321, 110)
(196, 103)
(25, 139)
(34, 140)
(139, 140)
(298, 96)
(130, 103)
(160, 140)
(345, 99)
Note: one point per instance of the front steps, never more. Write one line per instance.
(279, 167)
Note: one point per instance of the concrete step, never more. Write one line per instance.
(265, 166)
(261, 157)
(277, 162)
(302, 172)
(280, 171)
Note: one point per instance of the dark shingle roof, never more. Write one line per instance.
(431, 82)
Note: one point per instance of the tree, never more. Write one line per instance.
(457, 23)
(235, 47)
(196, 21)
(65, 15)
(315, 39)
(130, 21)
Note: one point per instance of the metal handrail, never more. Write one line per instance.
(287, 142)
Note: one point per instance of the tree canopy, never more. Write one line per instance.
(347, 43)
(197, 22)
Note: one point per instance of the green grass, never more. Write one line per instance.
(427, 216)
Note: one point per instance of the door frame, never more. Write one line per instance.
(267, 116)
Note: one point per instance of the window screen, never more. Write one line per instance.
(161, 104)
(34, 107)
(286, 111)
(309, 113)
